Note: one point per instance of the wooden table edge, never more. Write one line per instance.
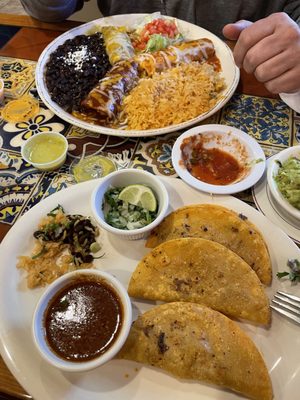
(29, 22)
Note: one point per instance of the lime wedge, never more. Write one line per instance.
(139, 195)
(93, 167)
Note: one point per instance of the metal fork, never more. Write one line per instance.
(288, 305)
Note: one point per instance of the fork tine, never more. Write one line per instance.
(286, 306)
(289, 296)
(286, 313)
(287, 300)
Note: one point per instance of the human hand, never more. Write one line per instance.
(269, 48)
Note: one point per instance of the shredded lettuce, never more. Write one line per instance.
(157, 42)
(160, 42)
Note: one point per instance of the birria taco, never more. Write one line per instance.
(201, 271)
(192, 341)
(222, 225)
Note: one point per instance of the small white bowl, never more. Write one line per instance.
(45, 139)
(280, 202)
(124, 178)
(38, 326)
(231, 140)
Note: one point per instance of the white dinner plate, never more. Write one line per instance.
(120, 379)
(231, 140)
(263, 199)
(230, 73)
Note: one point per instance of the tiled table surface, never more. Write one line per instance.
(272, 123)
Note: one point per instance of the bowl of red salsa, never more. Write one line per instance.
(82, 320)
(218, 159)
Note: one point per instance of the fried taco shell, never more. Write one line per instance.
(192, 341)
(222, 225)
(204, 272)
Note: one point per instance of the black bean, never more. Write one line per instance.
(88, 258)
(67, 85)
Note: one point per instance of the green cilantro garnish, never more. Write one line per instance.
(294, 273)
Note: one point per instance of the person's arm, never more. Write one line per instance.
(269, 48)
(51, 10)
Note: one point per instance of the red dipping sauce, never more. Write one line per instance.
(83, 320)
(210, 165)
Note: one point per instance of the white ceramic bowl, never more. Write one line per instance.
(38, 326)
(124, 178)
(280, 202)
(45, 138)
(231, 140)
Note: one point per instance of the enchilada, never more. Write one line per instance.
(106, 98)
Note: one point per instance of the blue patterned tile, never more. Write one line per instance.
(17, 74)
(155, 154)
(296, 138)
(17, 181)
(84, 142)
(50, 183)
(267, 120)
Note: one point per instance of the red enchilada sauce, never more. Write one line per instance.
(83, 320)
(213, 166)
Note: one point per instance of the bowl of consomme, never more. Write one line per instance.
(82, 320)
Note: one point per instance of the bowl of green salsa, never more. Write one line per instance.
(45, 151)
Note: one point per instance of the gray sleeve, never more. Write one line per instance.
(292, 8)
(51, 10)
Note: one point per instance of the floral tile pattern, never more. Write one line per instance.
(156, 155)
(18, 75)
(296, 137)
(83, 142)
(15, 134)
(49, 183)
(17, 182)
(269, 121)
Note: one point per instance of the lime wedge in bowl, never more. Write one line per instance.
(139, 195)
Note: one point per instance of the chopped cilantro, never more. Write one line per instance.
(294, 273)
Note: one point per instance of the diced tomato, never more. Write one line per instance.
(159, 26)
(152, 29)
(141, 46)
